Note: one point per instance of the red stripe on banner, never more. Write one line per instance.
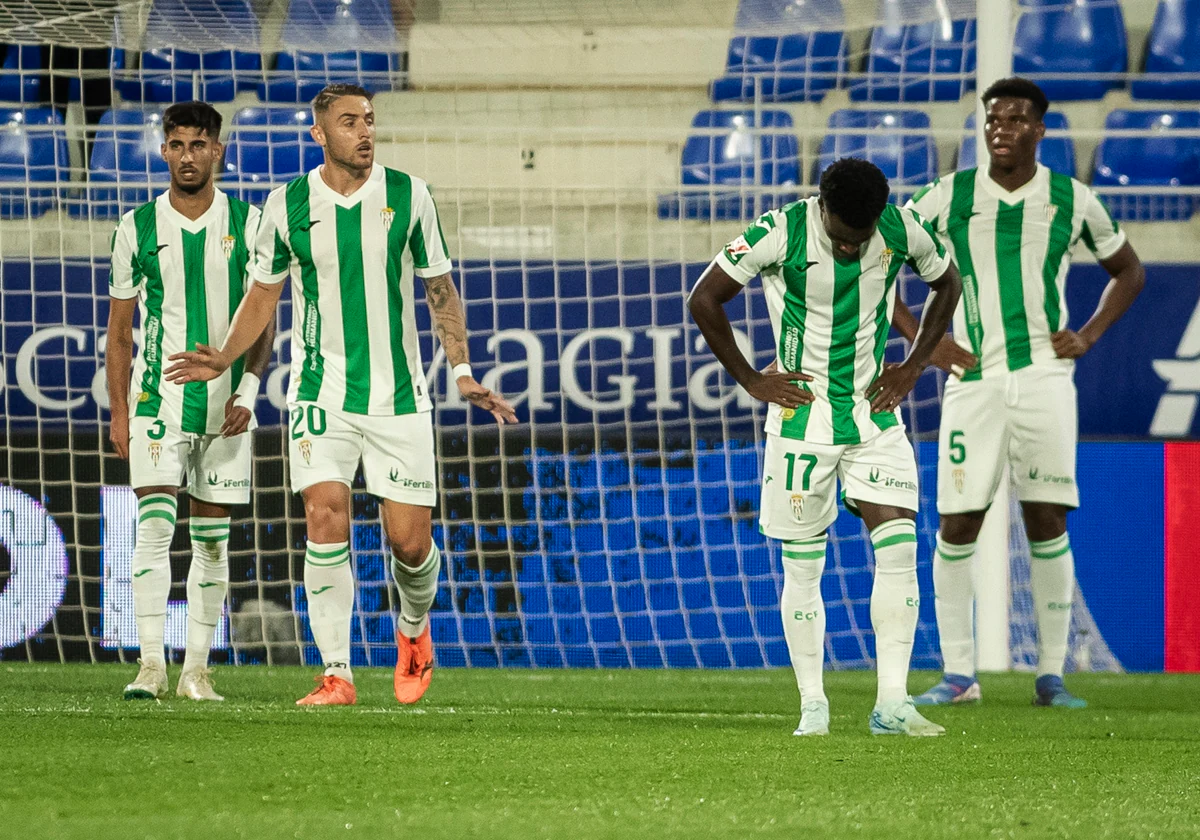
(1181, 474)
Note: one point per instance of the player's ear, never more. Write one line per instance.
(317, 134)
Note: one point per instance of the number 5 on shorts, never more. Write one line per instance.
(316, 421)
(958, 449)
(810, 461)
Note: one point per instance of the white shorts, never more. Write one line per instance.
(396, 452)
(1025, 418)
(799, 494)
(217, 468)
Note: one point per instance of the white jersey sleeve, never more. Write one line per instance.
(1100, 233)
(251, 229)
(926, 253)
(124, 276)
(271, 256)
(932, 201)
(431, 257)
(764, 244)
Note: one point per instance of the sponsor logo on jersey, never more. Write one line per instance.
(885, 259)
(144, 397)
(798, 506)
(227, 243)
(155, 451)
(960, 478)
(737, 249)
(387, 214)
(306, 451)
(1051, 211)
(791, 347)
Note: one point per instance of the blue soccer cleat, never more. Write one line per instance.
(954, 688)
(1052, 692)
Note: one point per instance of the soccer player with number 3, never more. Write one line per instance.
(829, 268)
(353, 234)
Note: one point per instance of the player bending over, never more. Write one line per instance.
(353, 234)
(1011, 228)
(829, 266)
(183, 260)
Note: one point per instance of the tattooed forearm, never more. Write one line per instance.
(448, 317)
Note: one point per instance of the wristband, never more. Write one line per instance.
(462, 370)
(247, 391)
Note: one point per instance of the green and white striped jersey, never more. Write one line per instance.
(1013, 251)
(189, 277)
(831, 315)
(352, 260)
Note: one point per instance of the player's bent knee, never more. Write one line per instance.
(961, 528)
(410, 546)
(327, 516)
(1044, 521)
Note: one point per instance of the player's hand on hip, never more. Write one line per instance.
(892, 386)
(488, 400)
(779, 387)
(118, 434)
(237, 418)
(199, 365)
(952, 358)
(1069, 344)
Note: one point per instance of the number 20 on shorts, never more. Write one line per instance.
(315, 417)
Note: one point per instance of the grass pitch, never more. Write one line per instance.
(587, 754)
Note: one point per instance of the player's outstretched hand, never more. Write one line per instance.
(199, 365)
(477, 395)
(774, 386)
(952, 358)
(1069, 344)
(886, 392)
(118, 434)
(237, 418)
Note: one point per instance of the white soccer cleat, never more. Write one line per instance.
(814, 718)
(151, 682)
(196, 684)
(900, 717)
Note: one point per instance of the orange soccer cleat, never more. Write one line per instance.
(332, 691)
(414, 666)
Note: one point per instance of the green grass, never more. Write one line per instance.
(587, 754)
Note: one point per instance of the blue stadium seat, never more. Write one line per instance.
(20, 73)
(1083, 36)
(1173, 47)
(352, 41)
(728, 157)
(269, 146)
(33, 147)
(801, 67)
(923, 62)
(1156, 160)
(168, 73)
(1057, 153)
(127, 152)
(899, 143)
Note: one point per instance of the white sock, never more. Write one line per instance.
(329, 585)
(954, 603)
(151, 571)
(418, 588)
(804, 613)
(207, 583)
(1052, 575)
(894, 604)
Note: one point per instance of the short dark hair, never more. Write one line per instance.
(329, 93)
(855, 190)
(199, 115)
(1018, 88)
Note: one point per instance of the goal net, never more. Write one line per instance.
(588, 160)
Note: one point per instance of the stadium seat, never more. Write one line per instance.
(924, 62)
(1155, 160)
(268, 147)
(33, 147)
(1057, 153)
(20, 73)
(1083, 36)
(789, 68)
(1173, 47)
(898, 142)
(169, 74)
(352, 41)
(127, 152)
(715, 164)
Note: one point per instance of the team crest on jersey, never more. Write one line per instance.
(1051, 211)
(798, 506)
(960, 478)
(227, 243)
(155, 450)
(885, 259)
(387, 214)
(306, 451)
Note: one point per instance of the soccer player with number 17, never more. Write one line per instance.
(353, 234)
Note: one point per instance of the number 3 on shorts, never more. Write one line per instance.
(810, 461)
(958, 449)
(316, 421)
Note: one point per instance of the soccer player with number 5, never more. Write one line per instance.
(829, 267)
(353, 234)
